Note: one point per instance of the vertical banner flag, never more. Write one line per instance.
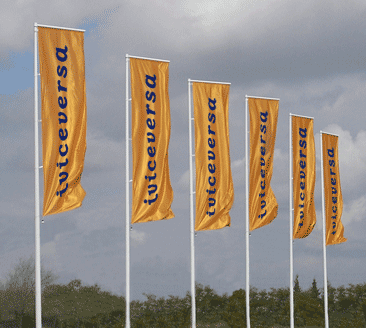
(332, 191)
(303, 159)
(214, 183)
(263, 206)
(62, 70)
(152, 193)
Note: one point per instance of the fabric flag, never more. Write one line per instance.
(332, 191)
(303, 158)
(263, 205)
(152, 194)
(214, 183)
(62, 70)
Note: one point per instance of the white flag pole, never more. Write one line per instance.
(291, 230)
(193, 290)
(324, 238)
(247, 210)
(127, 206)
(36, 189)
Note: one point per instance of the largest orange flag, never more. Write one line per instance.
(263, 206)
(214, 183)
(62, 69)
(152, 193)
(332, 190)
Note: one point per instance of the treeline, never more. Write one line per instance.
(77, 305)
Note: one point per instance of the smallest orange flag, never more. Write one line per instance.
(332, 191)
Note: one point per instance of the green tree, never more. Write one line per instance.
(81, 303)
(260, 313)
(297, 288)
(18, 296)
(178, 311)
(279, 305)
(314, 292)
(209, 305)
(363, 307)
(235, 314)
(308, 311)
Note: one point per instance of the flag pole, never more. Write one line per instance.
(127, 207)
(247, 211)
(324, 237)
(193, 291)
(36, 189)
(291, 230)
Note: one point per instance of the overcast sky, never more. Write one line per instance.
(310, 54)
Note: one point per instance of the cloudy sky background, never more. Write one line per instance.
(309, 54)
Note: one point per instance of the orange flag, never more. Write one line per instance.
(214, 183)
(303, 159)
(152, 194)
(62, 70)
(332, 190)
(263, 205)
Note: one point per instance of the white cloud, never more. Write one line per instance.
(352, 157)
(239, 163)
(355, 210)
(184, 179)
(138, 237)
(17, 18)
(48, 249)
(307, 262)
(103, 153)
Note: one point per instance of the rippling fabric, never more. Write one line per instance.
(62, 69)
(332, 191)
(303, 167)
(214, 183)
(263, 205)
(152, 194)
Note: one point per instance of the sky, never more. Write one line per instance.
(310, 54)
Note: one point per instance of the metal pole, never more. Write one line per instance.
(210, 82)
(147, 58)
(36, 189)
(291, 230)
(324, 239)
(268, 98)
(127, 207)
(61, 28)
(193, 291)
(247, 211)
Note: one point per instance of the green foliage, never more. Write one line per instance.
(235, 314)
(209, 305)
(82, 303)
(279, 305)
(314, 292)
(308, 311)
(297, 288)
(17, 294)
(77, 305)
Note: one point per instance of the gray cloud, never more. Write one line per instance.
(309, 54)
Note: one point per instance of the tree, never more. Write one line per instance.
(279, 305)
(235, 314)
(209, 305)
(24, 275)
(20, 288)
(314, 292)
(77, 302)
(297, 288)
